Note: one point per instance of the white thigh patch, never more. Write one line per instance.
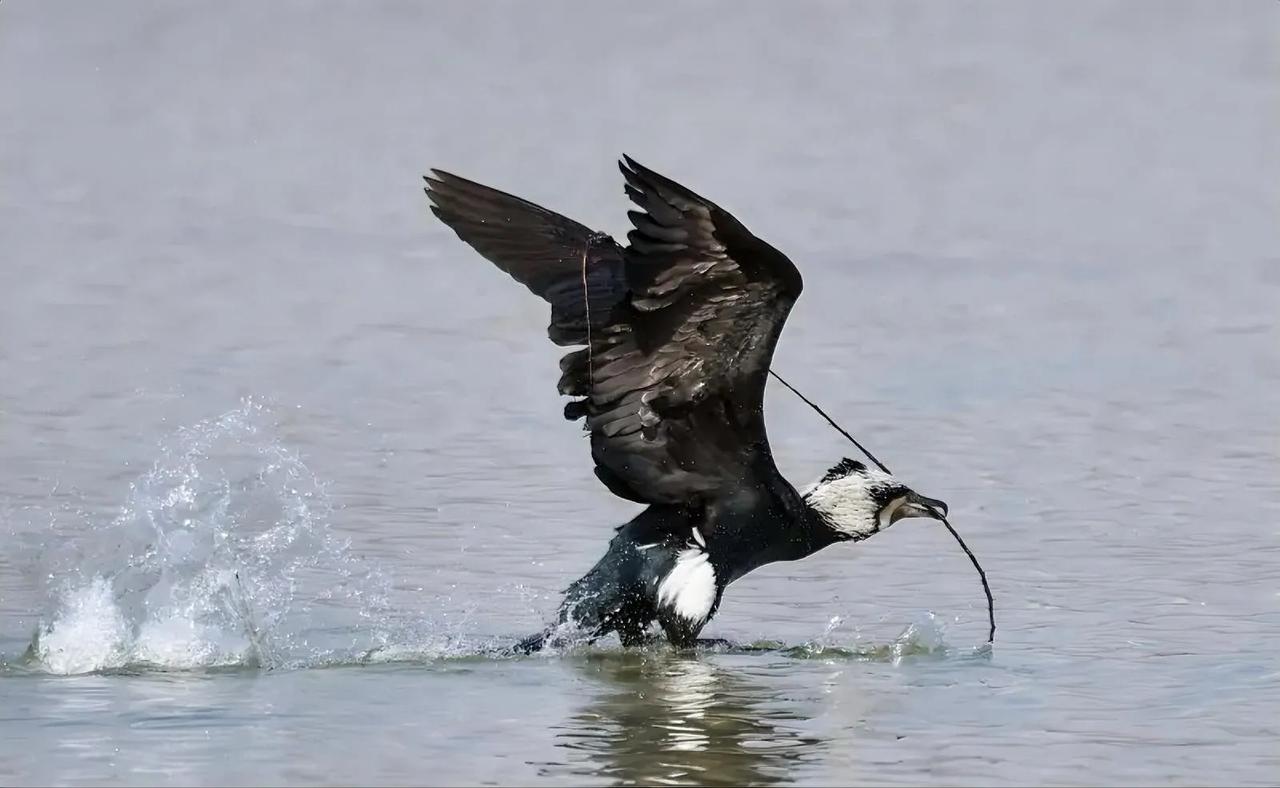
(690, 587)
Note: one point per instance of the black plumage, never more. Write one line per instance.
(676, 332)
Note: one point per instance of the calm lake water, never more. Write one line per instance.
(281, 458)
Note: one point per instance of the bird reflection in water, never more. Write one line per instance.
(678, 719)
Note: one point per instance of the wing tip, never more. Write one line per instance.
(450, 186)
(441, 176)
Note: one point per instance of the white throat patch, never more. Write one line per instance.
(848, 504)
(690, 587)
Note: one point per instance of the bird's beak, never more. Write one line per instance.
(917, 505)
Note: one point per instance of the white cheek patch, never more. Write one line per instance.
(848, 504)
(886, 514)
(690, 587)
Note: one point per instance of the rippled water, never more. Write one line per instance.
(282, 465)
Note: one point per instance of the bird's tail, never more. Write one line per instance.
(532, 644)
(579, 621)
(593, 607)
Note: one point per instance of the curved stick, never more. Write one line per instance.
(986, 587)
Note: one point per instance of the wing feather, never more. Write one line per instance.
(694, 339)
(683, 325)
(541, 249)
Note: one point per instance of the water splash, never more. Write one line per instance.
(89, 634)
(222, 556)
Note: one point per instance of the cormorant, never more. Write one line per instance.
(677, 331)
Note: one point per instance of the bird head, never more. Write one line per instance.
(855, 501)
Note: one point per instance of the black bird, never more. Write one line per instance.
(678, 329)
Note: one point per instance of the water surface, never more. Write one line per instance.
(281, 459)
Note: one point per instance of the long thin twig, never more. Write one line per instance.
(830, 421)
(986, 587)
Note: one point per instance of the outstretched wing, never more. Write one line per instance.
(679, 327)
(554, 256)
(674, 385)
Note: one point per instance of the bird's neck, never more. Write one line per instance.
(820, 529)
(811, 529)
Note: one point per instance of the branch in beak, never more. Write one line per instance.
(917, 505)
